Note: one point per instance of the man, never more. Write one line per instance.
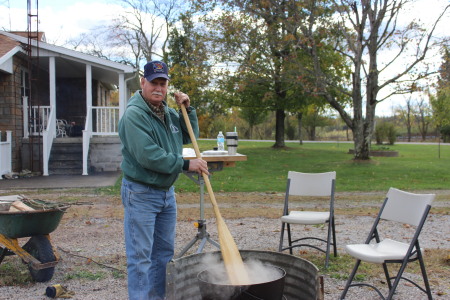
(152, 138)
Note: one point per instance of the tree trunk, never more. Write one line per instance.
(299, 119)
(279, 129)
(408, 119)
(312, 133)
(362, 147)
(362, 132)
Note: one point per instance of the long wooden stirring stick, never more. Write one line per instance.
(234, 265)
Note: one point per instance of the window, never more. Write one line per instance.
(24, 83)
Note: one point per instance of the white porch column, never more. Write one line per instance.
(88, 96)
(87, 132)
(52, 80)
(122, 94)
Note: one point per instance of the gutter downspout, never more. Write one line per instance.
(123, 94)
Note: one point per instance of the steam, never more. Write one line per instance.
(212, 270)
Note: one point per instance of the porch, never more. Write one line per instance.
(53, 93)
(61, 147)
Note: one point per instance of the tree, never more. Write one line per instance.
(368, 28)
(137, 35)
(313, 118)
(406, 114)
(423, 118)
(440, 103)
(253, 117)
(256, 38)
(188, 58)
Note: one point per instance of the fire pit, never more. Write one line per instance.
(301, 281)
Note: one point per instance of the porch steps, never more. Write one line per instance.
(66, 157)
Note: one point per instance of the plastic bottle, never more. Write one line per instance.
(220, 141)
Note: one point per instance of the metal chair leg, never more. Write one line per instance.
(289, 238)
(327, 253)
(280, 248)
(386, 274)
(397, 279)
(334, 239)
(350, 279)
(424, 275)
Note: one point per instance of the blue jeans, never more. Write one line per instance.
(149, 224)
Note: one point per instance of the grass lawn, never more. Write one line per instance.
(417, 167)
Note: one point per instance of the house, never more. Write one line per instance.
(57, 103)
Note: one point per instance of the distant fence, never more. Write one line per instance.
(5, 154)
(418, 138)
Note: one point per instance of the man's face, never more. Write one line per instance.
(154, 91)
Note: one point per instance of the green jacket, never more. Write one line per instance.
(151, 150)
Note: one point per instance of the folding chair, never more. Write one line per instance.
(322, 186)
(404, 208)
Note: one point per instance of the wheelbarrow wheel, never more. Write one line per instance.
(41, 249)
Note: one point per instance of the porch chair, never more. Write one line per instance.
(321, 186)
(399, 208)
(61, 126)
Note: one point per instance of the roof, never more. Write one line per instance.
(71, 63)
(40, 35)
(7, 44)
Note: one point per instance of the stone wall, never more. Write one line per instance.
(105, 154)
(11, 117)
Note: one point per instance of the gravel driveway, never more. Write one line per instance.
(90, 237)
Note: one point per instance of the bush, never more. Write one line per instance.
(379, 135)
(445, 131)
(385, 132)
(391, 134)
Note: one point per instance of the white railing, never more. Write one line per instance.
(106, 120)
(5, 154)
(87, 133)
(39, 117)
(48, 135)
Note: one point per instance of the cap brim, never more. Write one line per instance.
(157, 75)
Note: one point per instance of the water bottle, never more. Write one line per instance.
(220, 141)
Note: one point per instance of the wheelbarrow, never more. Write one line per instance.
(37, 224)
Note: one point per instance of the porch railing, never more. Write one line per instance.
(106, 120)
(5, 154)
(48, 135)
(41, 121)
(100, 120)
(39, 117)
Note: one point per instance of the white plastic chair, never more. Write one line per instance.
(403, 208)
(321, 186)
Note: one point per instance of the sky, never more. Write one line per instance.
(60, 20)
(63, 20)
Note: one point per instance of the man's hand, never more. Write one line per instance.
(198, 165)
(182, 99)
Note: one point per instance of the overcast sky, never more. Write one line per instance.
(62, 20)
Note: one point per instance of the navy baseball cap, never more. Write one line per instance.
(156, 69)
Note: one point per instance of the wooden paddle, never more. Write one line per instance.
(234, 265)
